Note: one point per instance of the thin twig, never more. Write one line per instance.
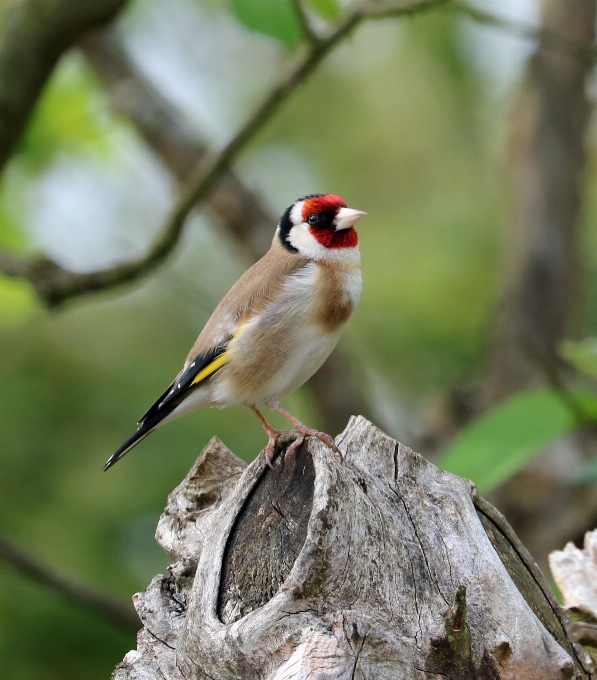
(172, 137)
(378, 11)
(108, 608)
(59, 285)
(304, 22)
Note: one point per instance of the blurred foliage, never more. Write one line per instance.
(17, 301)
(328, 9)
(506, 438)
(400, 123)
(11, 237)
(276, 18)
(41, 637)
(582, 355)
(68, 119)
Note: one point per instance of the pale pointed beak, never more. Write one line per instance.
(346, 218)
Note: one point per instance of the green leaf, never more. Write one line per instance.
(328, 9)
(276, 18)
(582, 355)
(507, 437)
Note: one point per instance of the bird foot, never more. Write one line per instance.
(300, 436)
(305, 431)
(300, 432)
(294, 446)
(274, 435)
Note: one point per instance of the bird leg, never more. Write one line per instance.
(304, 431)
(273, 435)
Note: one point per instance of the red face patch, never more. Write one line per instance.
(346, 238)
(319, 204)
(328, 236)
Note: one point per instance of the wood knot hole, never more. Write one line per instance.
(267, 536)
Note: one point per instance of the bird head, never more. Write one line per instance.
(319, 226)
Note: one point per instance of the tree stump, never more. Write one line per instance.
(374, 565)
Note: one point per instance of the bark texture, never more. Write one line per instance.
(34, 35)
(371, 565)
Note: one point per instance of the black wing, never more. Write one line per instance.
(177, 391)
(200, 368)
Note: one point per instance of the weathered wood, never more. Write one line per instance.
(575, 574)
(372, 565)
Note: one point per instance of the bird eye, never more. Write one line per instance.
(313, 218)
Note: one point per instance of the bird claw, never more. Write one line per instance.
(304, 432)
(322, 436)
(325, 439)
(270, 449)
(294, 446)
(300, 433)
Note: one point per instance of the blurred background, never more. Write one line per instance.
(467, 134)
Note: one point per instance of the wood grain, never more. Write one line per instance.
(375, 565)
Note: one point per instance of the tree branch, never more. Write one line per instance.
(54, 284)
(34, 36)
(169, 133)
(104, 606)
(207, 174)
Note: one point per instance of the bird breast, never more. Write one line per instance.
(281, 347)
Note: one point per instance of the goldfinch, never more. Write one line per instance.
(275, 327)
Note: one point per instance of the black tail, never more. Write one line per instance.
(176, 393)
(162, 408)
(146, 427)
(142, 432)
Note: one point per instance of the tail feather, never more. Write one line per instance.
(155, 417)
(202, 368)
(146, 428)
(131, 442)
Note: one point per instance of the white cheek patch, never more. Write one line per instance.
(296, 214)
(302, 239)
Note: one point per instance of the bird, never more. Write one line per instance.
(275, 327)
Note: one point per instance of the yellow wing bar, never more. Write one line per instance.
(212, 367)
(218, 362)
